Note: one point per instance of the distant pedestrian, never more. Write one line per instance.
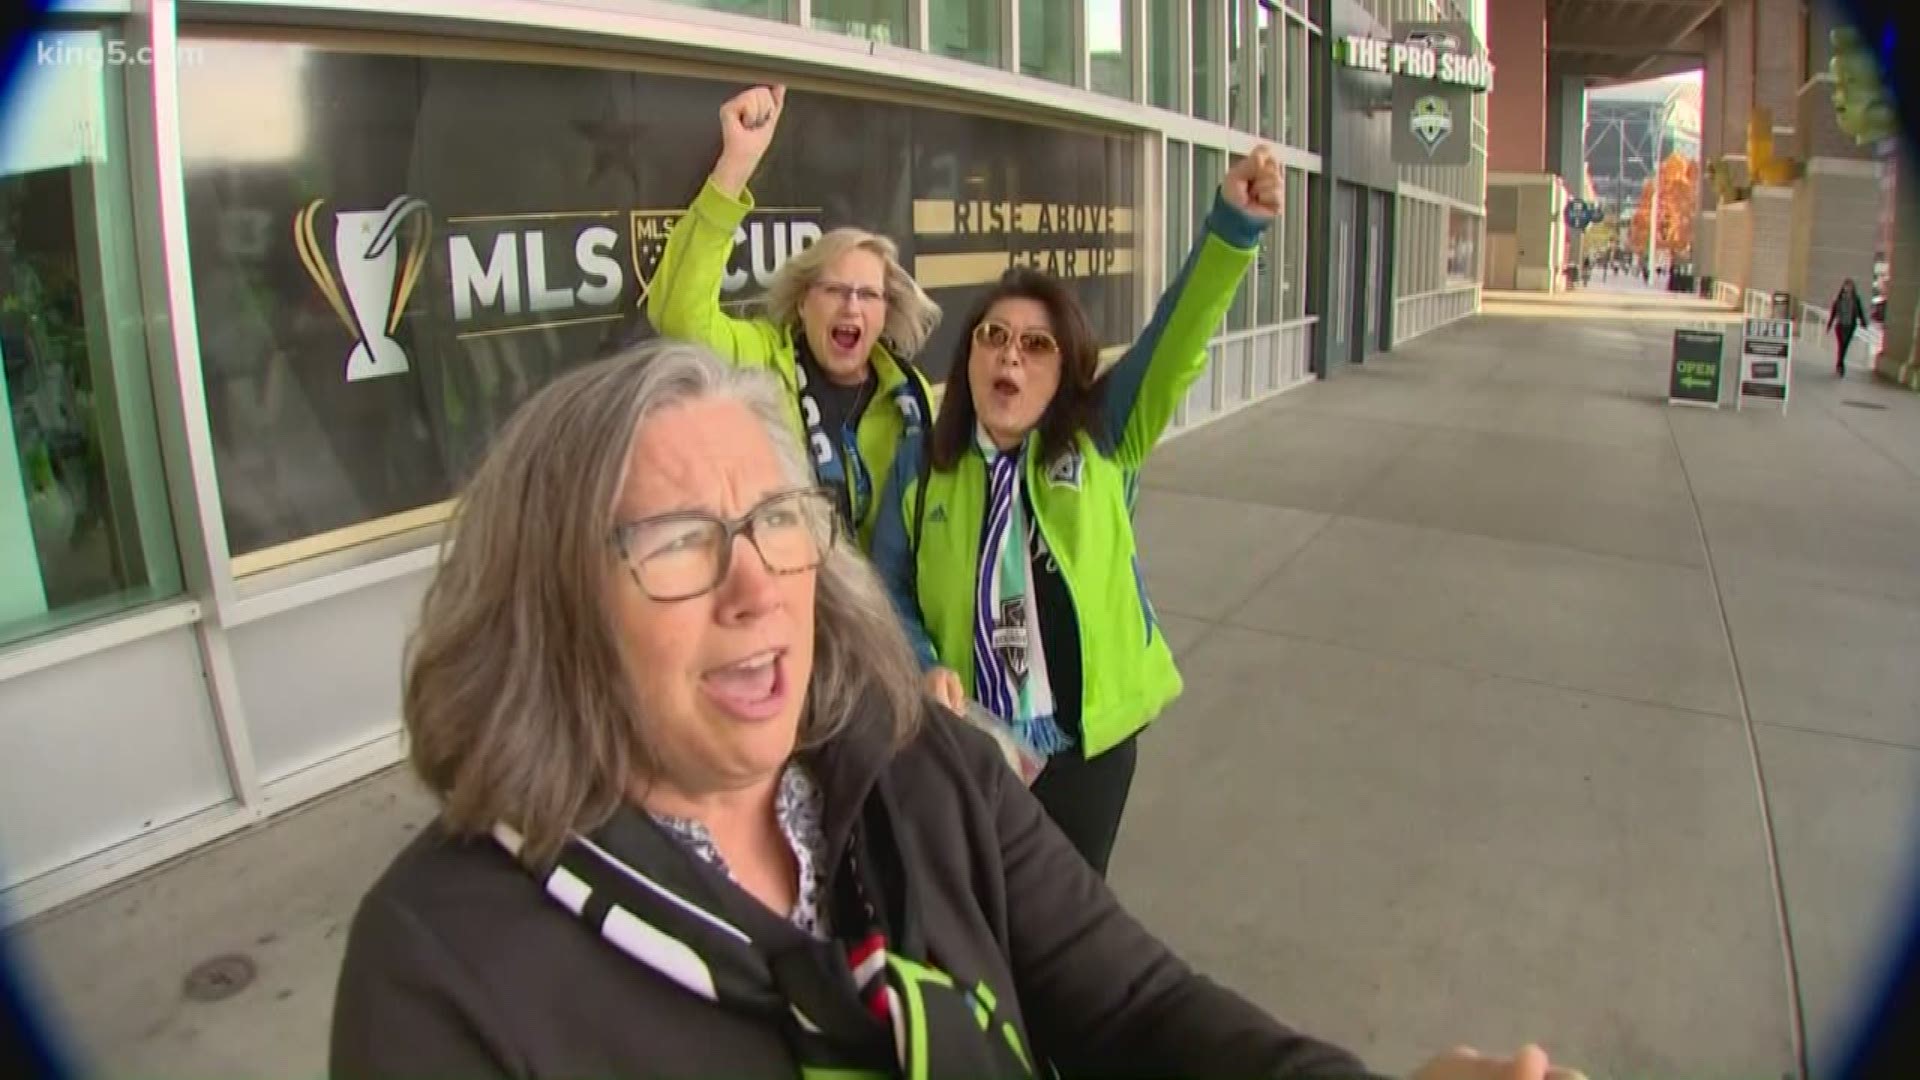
(1848, 315)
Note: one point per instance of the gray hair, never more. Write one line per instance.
(516, 702)
(911, 313)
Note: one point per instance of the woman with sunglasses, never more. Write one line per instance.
(1011, 551)
(840, 318)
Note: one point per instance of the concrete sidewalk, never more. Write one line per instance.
(1519, 706)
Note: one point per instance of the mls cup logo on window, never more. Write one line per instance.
(377, 280)
(1432, 121)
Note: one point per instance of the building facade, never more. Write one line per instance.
(1800, 205)
(275, 272)
(1628, 130)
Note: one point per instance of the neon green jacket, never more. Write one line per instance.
(683, 302)
(1082, 503)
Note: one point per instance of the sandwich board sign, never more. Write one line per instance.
(1766, 362)
(1693, 377)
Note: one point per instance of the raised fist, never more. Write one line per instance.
(747, 124)
(1255, 185)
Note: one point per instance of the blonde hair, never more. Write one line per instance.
(911, 313)
(516, 699)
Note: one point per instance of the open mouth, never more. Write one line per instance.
(845, 337)
(1005, 387)
(753, 688)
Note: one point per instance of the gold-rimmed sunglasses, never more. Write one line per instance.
(1033, 343)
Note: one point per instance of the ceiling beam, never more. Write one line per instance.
(1601, 6)
(1693, 27)
(1632, 50)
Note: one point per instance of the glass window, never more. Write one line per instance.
(965, 29)
(1238, 70)
(1046, 41)
(1176, 209)
(882, 21)
(766, 9)
(1293, 292)
(85, 529)
(1266, 42)
(1163, 53)
(1240, 315)
(1301, 67)
(1463, 245)
(1208, 37)
(377, 289)
(1310, 79)
(1110, 47)
(1208, 167)
(1267, 270)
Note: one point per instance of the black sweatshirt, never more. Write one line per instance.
(459, 965)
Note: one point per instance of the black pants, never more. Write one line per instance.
(1844, 338)
(1086, 798)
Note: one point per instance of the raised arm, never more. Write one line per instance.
(1145, 386)
(683, 300)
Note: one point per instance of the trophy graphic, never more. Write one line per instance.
(364, 242)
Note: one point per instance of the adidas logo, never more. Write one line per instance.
(938, 515)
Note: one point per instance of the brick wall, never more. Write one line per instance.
(1770, 251)
(1903, 285)
(1817, 132)
(1836, 226)
(1805, 208)
(1737, 49)
(1517, 107)
(1733, 243)
(1776, 65)
(1713, 95)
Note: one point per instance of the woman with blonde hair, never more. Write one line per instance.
(841, 319)
(698, 819)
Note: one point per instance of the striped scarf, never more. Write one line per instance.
(1009, 658)
(849, 1009)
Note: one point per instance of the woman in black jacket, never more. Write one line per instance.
(698, 818)
(1848, 314)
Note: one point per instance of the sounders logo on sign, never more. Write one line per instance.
(377, 280)
(499, 274)
(1431, 121)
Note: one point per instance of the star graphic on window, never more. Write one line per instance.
(616, 147)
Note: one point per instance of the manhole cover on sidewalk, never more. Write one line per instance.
(219, 978)
(1864, 405)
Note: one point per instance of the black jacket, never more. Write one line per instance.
(458, 965)
(1847, 313)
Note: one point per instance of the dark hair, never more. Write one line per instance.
(1074, 404)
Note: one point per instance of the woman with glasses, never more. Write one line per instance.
(1012, 555)
(697, 816)
(841, 317)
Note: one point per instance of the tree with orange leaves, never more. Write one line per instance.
(1679, 181)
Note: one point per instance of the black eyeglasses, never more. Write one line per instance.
(681, 555)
